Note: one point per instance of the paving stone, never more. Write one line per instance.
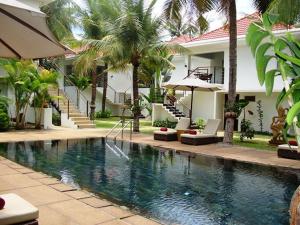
(49, 180)
(62, 187)
(139, 220)
(78, 194)
(115, 222)
(96, 202)
(25, 170)
(5, 170)
(41, 195)
(117, 211)
(81, 213)
(15, 181)
(37, 175)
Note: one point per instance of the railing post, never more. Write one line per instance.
(115, 97)
(131, 129)
(68, 109)
(214, 74)
(87, 108)
(58, 97)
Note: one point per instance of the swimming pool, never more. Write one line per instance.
(173, 188)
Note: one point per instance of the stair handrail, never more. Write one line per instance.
(184, 106)
(122, 130)
(113, 128)
(78, 91)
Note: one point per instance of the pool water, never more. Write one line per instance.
(167, 186)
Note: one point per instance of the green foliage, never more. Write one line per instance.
(237, 107)
(4, 121)
(82, 82)
(106, 114)
(260, 114)
(56, 119)
(286, 51)
(246, 130)
(4, 117)
(200, 123)
(164, 123)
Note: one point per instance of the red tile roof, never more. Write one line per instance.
(222, 32)
(181, 39)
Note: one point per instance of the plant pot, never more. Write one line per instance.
(230, 115)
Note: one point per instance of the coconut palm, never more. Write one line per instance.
(61, 17)
(228, 7)
(94, 21)
(131, 39)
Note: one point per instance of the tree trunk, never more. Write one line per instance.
(94, 92)
(135, 87)
(229, 128)
(104, 89)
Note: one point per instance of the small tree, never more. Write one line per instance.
(285, 51)
(260, 113)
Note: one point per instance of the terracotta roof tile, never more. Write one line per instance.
(242, 26)
(181, 39)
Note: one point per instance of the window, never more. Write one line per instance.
(250, 98)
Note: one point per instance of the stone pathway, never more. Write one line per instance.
(60, 204)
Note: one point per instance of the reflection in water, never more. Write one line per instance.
(176, 189)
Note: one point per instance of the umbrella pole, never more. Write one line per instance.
(191, 110)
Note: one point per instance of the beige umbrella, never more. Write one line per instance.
(24, 33)
(192, 84)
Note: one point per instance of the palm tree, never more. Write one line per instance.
(184, 26)
(228, 7)
(61, 17)
(94, 20)
(132, 36)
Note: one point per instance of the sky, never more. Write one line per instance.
(216, 20)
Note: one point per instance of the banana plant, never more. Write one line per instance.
(266, 47)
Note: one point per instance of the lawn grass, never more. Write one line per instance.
(259, 142)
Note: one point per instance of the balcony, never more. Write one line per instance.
(210, 74)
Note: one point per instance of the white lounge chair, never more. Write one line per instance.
(171, 134)
(18, 211)
(208, 136)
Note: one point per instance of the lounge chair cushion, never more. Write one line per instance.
(197, 135)
(17, 210)
(287, 147)
(212, 126)
(169, 131)
(183, 124)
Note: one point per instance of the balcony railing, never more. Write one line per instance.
(211, 74)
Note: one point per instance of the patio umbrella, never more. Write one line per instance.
(192, 84)
(25, 34)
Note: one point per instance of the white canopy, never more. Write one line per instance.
(189, 84)
(24, 32)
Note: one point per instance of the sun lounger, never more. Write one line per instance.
(171, 134)
(18, 211)
(208, 136)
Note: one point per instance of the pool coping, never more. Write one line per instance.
(119, 214)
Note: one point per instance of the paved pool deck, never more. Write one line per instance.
(60, 204)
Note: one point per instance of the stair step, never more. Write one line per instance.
(76, 115)
(82, 126)
(77, 118)
(87, 121)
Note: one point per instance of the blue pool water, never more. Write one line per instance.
(173, 188)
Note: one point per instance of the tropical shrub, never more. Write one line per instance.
(260, 113)
(285, 51)
(106, 114)
(56, 119)
(200, 123)
(4, 117)
(236, 108)
(164, 123)
(246, 130)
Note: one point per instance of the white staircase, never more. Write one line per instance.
(62, 103)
